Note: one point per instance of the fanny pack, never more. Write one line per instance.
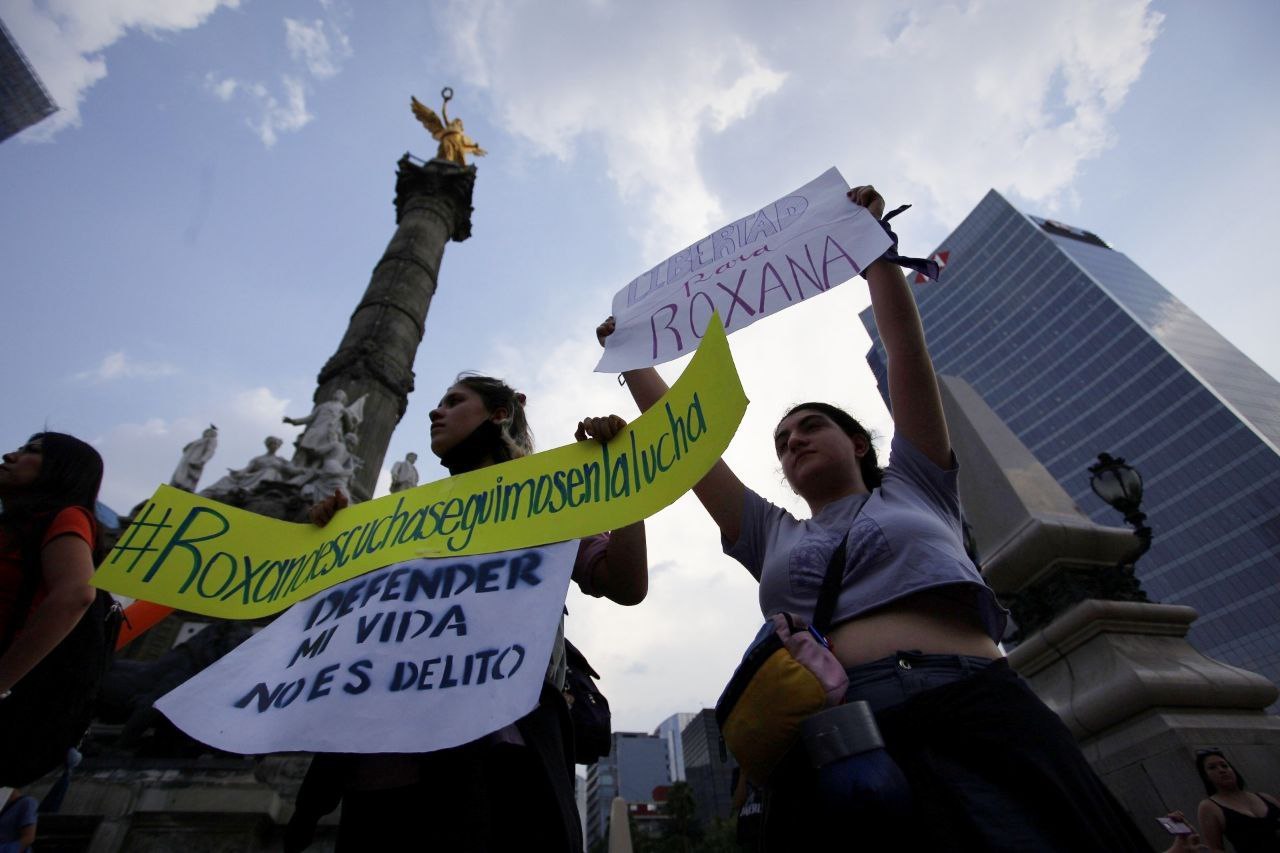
(787, 674)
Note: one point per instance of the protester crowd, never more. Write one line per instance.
(911, 627)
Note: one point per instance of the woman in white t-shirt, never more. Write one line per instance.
(915, 625)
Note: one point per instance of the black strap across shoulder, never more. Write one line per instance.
(830, 592)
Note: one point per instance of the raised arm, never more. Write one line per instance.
(1209, 816)
(913, 385)
(720, 491)
(622, 573)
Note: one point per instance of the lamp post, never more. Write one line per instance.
(1039, 604)
(1120, 486)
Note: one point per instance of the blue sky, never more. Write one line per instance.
(185, 241)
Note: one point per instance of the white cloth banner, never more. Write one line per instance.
(415, 657)
(801, 245)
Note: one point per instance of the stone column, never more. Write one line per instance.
(375, 357)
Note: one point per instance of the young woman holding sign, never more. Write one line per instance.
(990, 767)
(513, 789)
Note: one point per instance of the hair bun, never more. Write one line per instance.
(520, 398)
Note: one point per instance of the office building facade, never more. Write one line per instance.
(1081, 352)
(669, 730)
(634, 767)
(708, 767)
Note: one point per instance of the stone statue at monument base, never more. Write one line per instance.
(194, 456)
(266, 468)
(335, 472)
(403, 474)
(325, 427)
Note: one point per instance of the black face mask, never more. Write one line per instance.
(468, 454)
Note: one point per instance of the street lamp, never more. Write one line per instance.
(1121, 486)
(1036, 606)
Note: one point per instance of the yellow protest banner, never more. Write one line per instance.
(195, 554)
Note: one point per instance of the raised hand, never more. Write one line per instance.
(605, 329)
(870, 199)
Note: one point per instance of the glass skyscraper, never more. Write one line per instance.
(23, 100)
(1081, 352)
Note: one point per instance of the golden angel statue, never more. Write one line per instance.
(454, 143)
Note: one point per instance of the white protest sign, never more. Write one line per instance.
(799, 246)
(414, 657)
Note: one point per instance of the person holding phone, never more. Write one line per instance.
(1250, 821)
(1185, 839)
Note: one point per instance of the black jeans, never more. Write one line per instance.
(991, 768)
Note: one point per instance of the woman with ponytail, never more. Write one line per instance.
(513, 789)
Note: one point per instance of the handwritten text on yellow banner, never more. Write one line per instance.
(195, 554)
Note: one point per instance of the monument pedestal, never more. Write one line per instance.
(1141, 701)
(1120, 673)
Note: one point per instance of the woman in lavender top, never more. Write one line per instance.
(915, 625)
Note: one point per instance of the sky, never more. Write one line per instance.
(185, 240)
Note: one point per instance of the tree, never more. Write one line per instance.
(681, 833)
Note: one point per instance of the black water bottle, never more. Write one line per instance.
(857, 778)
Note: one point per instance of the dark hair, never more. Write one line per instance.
(70, 475)
(496, 394)
(1202, 756)
(872, 475)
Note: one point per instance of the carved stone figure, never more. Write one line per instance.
(325, 427)
(403, 474)
(194, 455)
(267, 468)
(454, 143)
(336, 469)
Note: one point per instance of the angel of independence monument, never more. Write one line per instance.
(374, 361)
(139, 787)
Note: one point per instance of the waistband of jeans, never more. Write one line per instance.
(916, 660)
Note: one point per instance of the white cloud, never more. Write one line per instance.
(64, 41)
(117, 365)
(275, 116)
(270, 115)
(141, 455)
(645, 98)
(1020, 96)
(941, 103)
(320, 47)
(310, 44)
(258, 406)
(221, 89)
